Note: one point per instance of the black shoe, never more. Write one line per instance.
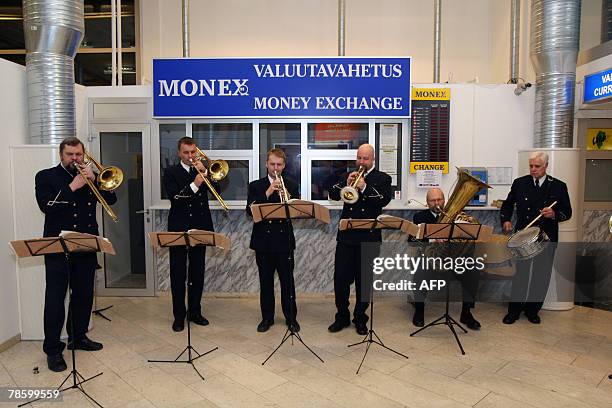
(199, 320)
(264, 325)
(510, 318)
(338, 325)
(535, 319)
(178, 325)
(418, 319)
(85, 344)
(56, 363)
(293, 325)
(468, 319)
(361, 328)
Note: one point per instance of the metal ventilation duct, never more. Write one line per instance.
(437, 30)
(555, 33)
(515, 32)
(53, 31)
(606, 20)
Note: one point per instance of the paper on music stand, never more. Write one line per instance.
(197, 237)
(75, 242)
(383, 221)
(297, 209)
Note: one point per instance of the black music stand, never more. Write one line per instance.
(381, 222)
(448, 233)
(99, 312)
(188, 239)
(293, 209)
(67, 243)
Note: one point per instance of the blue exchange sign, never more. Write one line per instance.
(265, 87)
(598, 86)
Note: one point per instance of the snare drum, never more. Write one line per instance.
(527, 243)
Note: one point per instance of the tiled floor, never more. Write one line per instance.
(564, 362)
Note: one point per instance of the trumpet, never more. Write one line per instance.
(217, 169)
(109, 178)
(283, 193)
(349, 194)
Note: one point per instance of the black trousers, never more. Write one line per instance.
(530, 283)
(178, 279)
(268, 263)
(469, 286)
(348, 268)
(81, 300)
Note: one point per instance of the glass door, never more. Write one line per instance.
(130, 271)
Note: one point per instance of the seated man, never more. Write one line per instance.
(469, 281)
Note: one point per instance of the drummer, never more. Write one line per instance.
(533, 195)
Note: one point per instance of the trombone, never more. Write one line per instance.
(283, 193)
(109, 178)
(349, 194)
(217, 169)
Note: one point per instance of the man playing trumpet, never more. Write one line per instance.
(373, 189)
(273, 242)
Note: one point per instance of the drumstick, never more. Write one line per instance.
(539, 216)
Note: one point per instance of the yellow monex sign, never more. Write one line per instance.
(414, 166)
(431, 94)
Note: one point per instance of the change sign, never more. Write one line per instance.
(264, 87)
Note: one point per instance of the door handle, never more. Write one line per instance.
(142, 212)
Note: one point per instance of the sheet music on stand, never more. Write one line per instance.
(383, 221)
(297, 209)
(75, 242)
(456, 231)
(196, 238)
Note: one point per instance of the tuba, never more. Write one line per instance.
(467, 185)
(349, 194)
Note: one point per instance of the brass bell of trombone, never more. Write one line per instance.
(217, 169)
(109, 178)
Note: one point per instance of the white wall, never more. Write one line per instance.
(13, 117)
(489, 125)
(475, 33)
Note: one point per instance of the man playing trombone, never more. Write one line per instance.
(273, 242)
(63, 195)
(369, 190)
(188, 210)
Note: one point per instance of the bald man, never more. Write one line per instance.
(469, 281)
(374, 193)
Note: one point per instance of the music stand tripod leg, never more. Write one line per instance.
(290, 333)
(189, 349)
(369, 338)
(77, 378)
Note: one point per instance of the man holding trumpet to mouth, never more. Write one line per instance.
(365, 192)
(273, 242)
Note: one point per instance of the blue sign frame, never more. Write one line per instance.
(282, 87)
(598, 86)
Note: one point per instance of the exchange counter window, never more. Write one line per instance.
(325, 173)
(343, 136)
(169, 134)
(234, 185)
(285, 136)
(223, 136)
(598, 180)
